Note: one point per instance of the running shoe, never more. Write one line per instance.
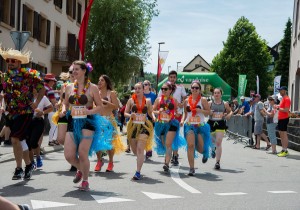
(84, 186)
(99, 165)
(39, 162)
(149, 154)
(24, 207)
(204, 159)
(283, 154)
(172, 159)
(166, 168)
(217, 165)
(128, 150)
(28, 171)
(137, 176)
(18, 174)
(73, 168)
(191, 172)
(33, 165)
(110, 167)
(78, 177)
(175, 160)
(213, 153)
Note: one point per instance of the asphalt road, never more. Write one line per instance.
(248, 179)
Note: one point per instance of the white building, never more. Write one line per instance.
(54, 27)
(294, 71)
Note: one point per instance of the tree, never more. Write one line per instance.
(117, 37)
(282, 65)
(244, 52)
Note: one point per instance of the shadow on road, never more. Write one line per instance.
(108, 175)
(295, 157)
(19, 190)
(86, 196)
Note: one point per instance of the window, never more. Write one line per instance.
(57, 36)
(58, 3)
(7, 12)
(79, 13)
(44, 27)
(71, 8)
(27, 19)
(197, 65)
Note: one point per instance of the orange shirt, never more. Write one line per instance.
(284, 103)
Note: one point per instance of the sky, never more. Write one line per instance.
(192, 27)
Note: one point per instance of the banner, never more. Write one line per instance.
(277, 80)
(83, 28)
(245, 85)
(257, 84)
(162, 56)
(242, 85)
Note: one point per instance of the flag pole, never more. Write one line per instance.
(157, 75)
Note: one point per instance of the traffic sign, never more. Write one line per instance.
(20, 38)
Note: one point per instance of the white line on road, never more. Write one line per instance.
(283, 192)
(176, 178)
(231, 193)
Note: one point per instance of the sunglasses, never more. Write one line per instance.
(197, 88)
(8, 60)
(146, 84)
(164, 89)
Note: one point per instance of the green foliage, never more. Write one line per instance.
(282, 65)
(117, 37)
(244, 52)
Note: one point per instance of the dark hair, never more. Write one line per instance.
(197, 82)
(170, 86)
(83, 66)
(220, 89)
(109, 85)
(173, 72)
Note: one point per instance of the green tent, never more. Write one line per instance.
(205, 78)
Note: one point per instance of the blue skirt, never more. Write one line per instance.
(204, 131)
(161, 129)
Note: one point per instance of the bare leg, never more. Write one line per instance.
(7, 205)
(61, 133)
(169, 140)
(70, 151)
(191, 148)
(284, 139)
(18, 151)
(219, 139)
(141, 144)
(83, 152)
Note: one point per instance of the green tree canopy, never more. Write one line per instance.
(282, 65)
(117, 37)
(244, 52)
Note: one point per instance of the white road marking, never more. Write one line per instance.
(105, 199)
(176, 178)
(160, 196)
(283, 192)
(231, 193)
(36, 204)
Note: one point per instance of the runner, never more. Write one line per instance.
(110, 103)
(220, 112)
(139, 128)
(167, 126)
(87, 132)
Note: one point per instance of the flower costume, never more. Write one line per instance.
(166, 122)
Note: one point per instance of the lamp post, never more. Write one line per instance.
(177, 66)
(169, 69)
(159, 43)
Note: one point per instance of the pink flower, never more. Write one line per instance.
(24, 88)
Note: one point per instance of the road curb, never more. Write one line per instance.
(47, 149)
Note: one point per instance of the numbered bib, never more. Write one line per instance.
(78, 112)
(195, 120)
(139, 119)
(164, 116)
(217, 115)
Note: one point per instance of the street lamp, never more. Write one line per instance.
(169, 69)
(159, 43)
(177, 66)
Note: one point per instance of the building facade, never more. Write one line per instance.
(294, 70)
(54, 27)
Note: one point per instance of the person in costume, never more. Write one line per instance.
(196, 130)
(139, 128)
(110, 103)
(87, 132)
(167, 127)
(18, 84)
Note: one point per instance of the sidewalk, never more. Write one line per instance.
(6, 152)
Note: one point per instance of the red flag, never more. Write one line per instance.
(83, 28)
(162, 56)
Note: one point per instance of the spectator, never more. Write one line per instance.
(235, 107)
(252, 105)
(245, 107)
(272, 119)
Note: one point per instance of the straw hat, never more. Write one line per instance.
(23, 56)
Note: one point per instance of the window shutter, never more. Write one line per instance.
(1, 9)
(24, 18)
(35, 24)
(79, 7)
(67, 7)
(39, 31)
(71, 46)
(48, 32)
(74, 9)
(12, 12)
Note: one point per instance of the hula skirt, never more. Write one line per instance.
(204, 131)
(161, 129)
(103, 132)
(117, 144)
(133, 130)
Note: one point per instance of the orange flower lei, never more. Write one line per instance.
(136, 101)
(76, 95)
(193, 105)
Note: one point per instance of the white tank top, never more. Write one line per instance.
(201, 115)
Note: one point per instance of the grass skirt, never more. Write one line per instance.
(161, 129)
(204, 131)
(133, 130)
(117, 144)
